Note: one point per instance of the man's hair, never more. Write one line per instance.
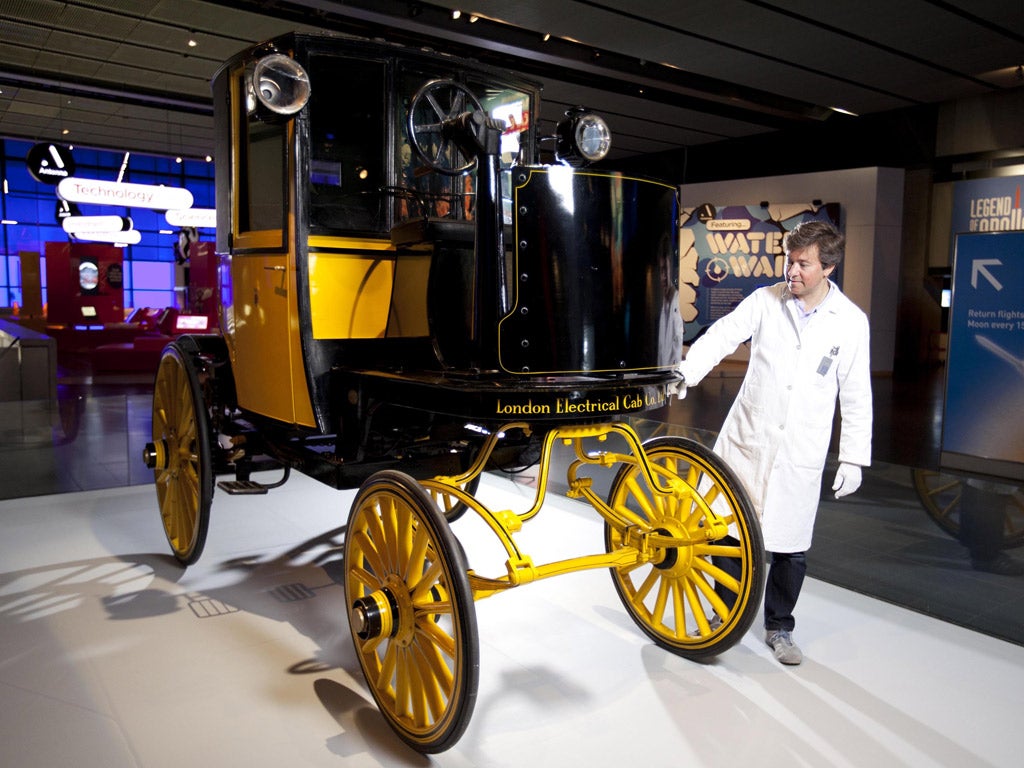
(829, 240)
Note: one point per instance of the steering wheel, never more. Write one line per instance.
(435, 102)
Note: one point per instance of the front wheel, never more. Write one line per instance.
(411, 611)
(700, 597)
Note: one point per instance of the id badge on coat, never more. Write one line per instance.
(827, 360)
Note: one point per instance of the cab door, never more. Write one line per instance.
(260, 308)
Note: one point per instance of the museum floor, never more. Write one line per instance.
(112, 655)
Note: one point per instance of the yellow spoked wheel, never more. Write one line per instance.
(180, 454)
(697, 599)
(411, 611)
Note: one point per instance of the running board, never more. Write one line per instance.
(242, 487)
(251, 487)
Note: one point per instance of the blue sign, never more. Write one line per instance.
(982, 422)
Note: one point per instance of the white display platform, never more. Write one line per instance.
(114, 656)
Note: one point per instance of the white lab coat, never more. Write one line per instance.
(777, 432)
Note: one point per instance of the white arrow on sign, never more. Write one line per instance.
(980, 267)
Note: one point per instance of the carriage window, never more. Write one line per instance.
(346, 119)
(261, 204)
(514, 108)
(422, 191)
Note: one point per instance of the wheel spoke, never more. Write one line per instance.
(438, 684)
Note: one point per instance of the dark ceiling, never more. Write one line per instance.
(122, 74)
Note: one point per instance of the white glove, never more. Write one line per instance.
(677, 387)
(847, 480)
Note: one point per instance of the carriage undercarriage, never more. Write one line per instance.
(681, 541)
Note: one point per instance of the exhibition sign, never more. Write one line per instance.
(74, 225)
(987, 205)
(50, 163)
(192, 217)
(981, 428)
(727, 253)
(99, 192)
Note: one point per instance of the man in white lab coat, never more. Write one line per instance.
(808, 346)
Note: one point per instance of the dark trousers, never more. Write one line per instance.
(785, 578)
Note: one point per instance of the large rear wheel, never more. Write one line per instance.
(411, 611)
(697, 598)
(180, 454)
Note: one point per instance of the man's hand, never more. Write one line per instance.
(677, 387)
(847, 480)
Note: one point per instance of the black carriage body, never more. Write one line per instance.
(520, 291)
(595, 283)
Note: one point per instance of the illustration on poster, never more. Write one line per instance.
(1001, 353)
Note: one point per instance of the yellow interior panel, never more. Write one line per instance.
(409, 305)
(350, 293)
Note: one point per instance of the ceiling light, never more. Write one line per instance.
(65, 132)
(547, 36)
(474, 19)
(192, 43)
(456, 14)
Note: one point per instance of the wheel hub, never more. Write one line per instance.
(155, 455)
(374, 615)
(677, 559)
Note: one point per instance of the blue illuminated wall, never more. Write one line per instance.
(28, 210)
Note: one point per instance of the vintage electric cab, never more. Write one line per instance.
(419, 283)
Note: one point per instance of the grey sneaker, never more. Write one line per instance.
(713, 624)
(781, 643)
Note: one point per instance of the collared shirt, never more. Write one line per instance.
(802, 315)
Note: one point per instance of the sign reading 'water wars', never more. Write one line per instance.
(727, 253)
